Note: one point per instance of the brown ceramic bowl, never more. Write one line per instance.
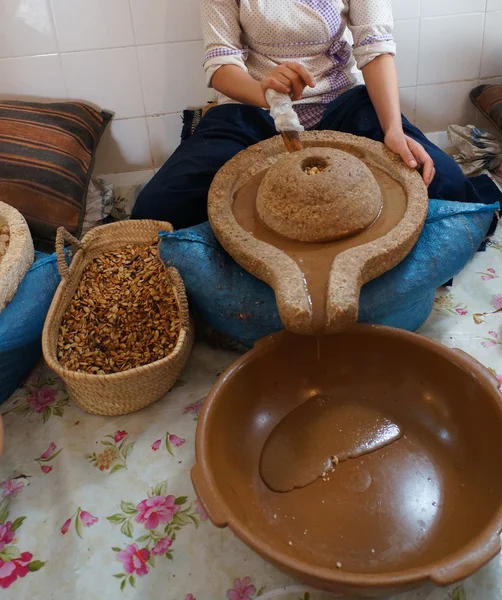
(427, 508)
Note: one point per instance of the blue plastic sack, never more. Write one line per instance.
(237, 304)
(22, 321)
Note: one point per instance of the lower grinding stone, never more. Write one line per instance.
(248, 222)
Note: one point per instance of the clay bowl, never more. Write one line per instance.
(427, 508)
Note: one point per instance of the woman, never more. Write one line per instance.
(315, 51)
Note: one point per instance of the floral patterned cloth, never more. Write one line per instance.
(97, 507)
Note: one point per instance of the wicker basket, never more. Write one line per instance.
(134, 389)
(19, 256)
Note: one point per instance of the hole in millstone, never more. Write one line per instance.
(313, 165)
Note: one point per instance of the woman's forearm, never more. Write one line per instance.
(380, 76)
(237, 84)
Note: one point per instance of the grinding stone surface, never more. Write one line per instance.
(352, 268)
(342, 199)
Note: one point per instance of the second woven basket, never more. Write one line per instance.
(19, 256)
(134, 389)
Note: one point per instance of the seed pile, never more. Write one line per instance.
(314, 170)
(4, 240)
(124, 314)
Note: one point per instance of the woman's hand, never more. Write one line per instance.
(288, 78)
(412, 153)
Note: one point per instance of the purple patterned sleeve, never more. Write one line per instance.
(217, 52)
(371, 24)
(375, 39)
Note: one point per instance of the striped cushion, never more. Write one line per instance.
(192, 117)
(46, 159)
(488, 98)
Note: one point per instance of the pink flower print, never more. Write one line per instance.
(119, 436)
(42, 398)
(194, 408)
(66, 526)
(87, 519)
(162, 546)
(176, 441)
(242, 590)
(497, 301)
(156, 445)
(49, 455)
(134, 559)
(461, 311)
(11, 570)
(489, 274)
(154, 511)
(6, 534)
(49, 451)
(190, 597)
(488, 343)
(11, 488)
(201, 510)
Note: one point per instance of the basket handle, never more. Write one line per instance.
(179, 286)
(63, 235)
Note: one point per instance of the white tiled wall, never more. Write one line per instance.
(141, 59)
(445, 48)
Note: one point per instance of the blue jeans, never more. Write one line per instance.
(178, 192)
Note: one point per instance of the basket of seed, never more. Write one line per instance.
(118, 331)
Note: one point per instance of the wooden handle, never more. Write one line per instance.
(292, 141)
